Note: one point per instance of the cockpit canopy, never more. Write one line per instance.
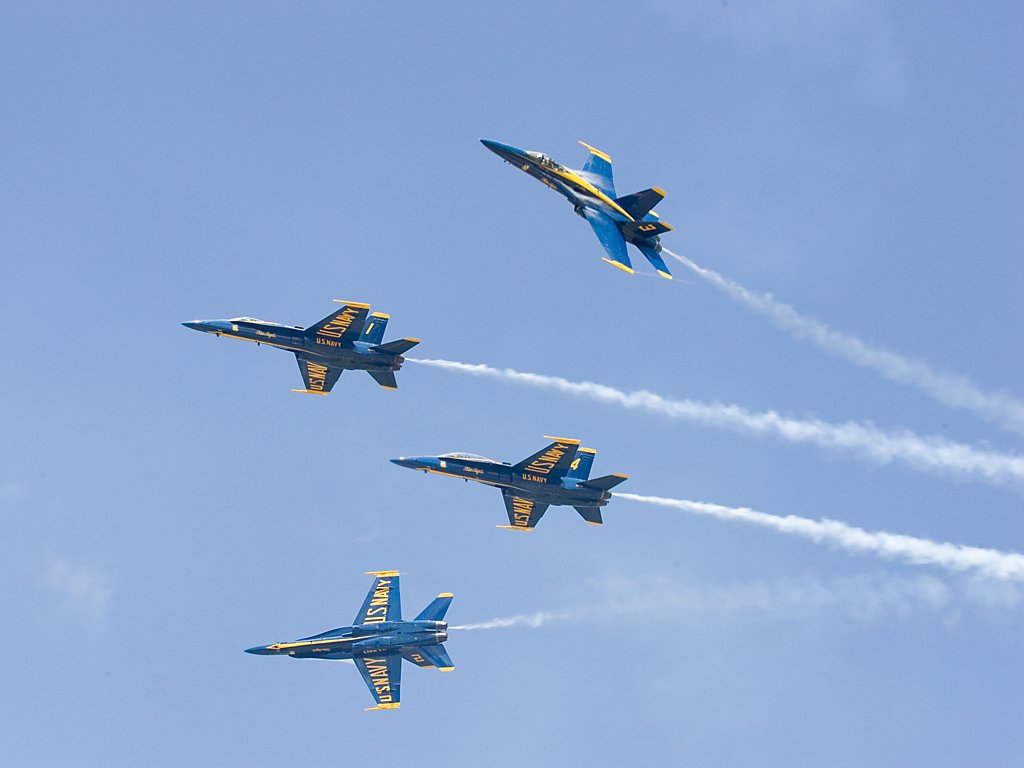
(475, 456)
(262, 322)
(544, 160)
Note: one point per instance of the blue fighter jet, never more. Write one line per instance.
(347, 339)
(379, 640)
(558, 474)
(615, 220)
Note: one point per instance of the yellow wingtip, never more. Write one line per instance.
(659, 190)
(384, 706)
(598, 152)
(310, 392)
(446, 669)
(587, 450)
(380, 314)
(446, 594)
(357, 304)
(382, 573)
(623, 267)
(513, 528)
(562, 439)
(666, 275)
(591, 522)
(385, 386)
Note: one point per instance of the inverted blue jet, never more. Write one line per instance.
(556, 475)
(347, 339)
(615, 220)
(378, 640)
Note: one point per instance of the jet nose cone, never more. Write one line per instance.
(416, 462)
(503, 151)
(195, 325)
(259, 650)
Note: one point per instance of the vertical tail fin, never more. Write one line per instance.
(437, 609)
(373, 331)
(580, 467)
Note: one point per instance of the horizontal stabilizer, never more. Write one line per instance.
(656, 260)
(399, 347)
(437, 609)
(385, 378)
(437, 655)
(639, 204)
(591, 514)
(605, 483)
(640, 230)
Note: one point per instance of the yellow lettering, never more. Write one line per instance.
(338, 324)
(317, 375)
(521, 509)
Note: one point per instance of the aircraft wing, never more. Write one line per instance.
(383, 602)
(612, 240)
(342, 327)
(383, 676)
(551, 462)
(317, 377)
(523, 514)
(599, 169)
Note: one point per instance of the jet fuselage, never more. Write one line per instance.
(536, 487)
(359, 356)
(571, 184)
(382, 638)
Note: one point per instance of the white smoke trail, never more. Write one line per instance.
(932, 454)
(991, 563)
(954, 390)
(532, 620)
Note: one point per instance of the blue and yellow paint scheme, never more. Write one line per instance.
(591, 190)
(349, 338)
(556, 475)
(378, 640)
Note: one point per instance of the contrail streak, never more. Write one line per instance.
(954, 390)
(991, 563)
(931, 454)
(533, 620)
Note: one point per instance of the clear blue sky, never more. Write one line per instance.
(168, 502)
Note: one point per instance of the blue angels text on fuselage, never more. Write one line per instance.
(378, 640)
(615, 220)
(347, 339)
(558, 474)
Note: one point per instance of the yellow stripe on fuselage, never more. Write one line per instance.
(570, 176)
(321, 641)
(256, 341)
